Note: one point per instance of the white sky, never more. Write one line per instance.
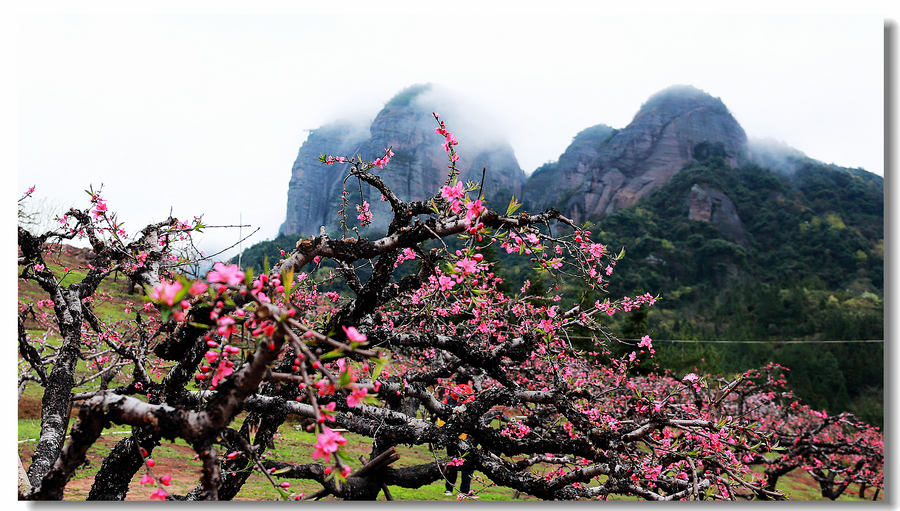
(204, 113)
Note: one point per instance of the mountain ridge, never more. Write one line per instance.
(603, 169)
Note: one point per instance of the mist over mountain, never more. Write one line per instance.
(776, 155)
(417, 170)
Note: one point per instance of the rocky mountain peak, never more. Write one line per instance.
(605, 170)
(419, 165)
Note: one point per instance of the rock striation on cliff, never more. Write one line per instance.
(417, 170)
(605, 170)
(710, 205)
(314, 190)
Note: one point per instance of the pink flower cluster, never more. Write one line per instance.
(99, 208)
(225, 367)
(261, 283)
(407, 254)
(449, 141)
(454, 194)
(381, 162)
(515, 429)
(627, 304)
(328, 443)
(364, 216)
(167, 292)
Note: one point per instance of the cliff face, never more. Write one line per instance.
(605, 170)
(314, 190)
(417, 170)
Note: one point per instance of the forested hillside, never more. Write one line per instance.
(812, 271)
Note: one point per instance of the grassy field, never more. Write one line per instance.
(295, 446)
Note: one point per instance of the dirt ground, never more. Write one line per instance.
(184, 474)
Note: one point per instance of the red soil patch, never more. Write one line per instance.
(185, 473)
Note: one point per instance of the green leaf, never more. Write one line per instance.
(513, 206)
(287, 280)
(344, 379)
(379, 366)
(335, 353)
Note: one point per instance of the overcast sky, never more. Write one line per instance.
(204, 113)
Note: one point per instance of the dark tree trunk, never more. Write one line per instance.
(58, 393)
(124, 460)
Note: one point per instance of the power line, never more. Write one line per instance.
(751, 341)
(757, 341)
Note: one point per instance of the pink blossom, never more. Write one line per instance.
(226, 326)
(327, 409)
(353, 334)
(453, 192)
(646, 342)
(166, 292)
(211, 356)
(159, 494)
(356, 397)
(198, 288)
(328, 442)
(222, 372)
(99, 209)
(231, 274)
(467, 265)
(473, 209)
(365, 216)
(446, 282)
(596, 250)
(146, 479)
(165, 480)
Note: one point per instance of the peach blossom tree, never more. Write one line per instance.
(537, 415)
